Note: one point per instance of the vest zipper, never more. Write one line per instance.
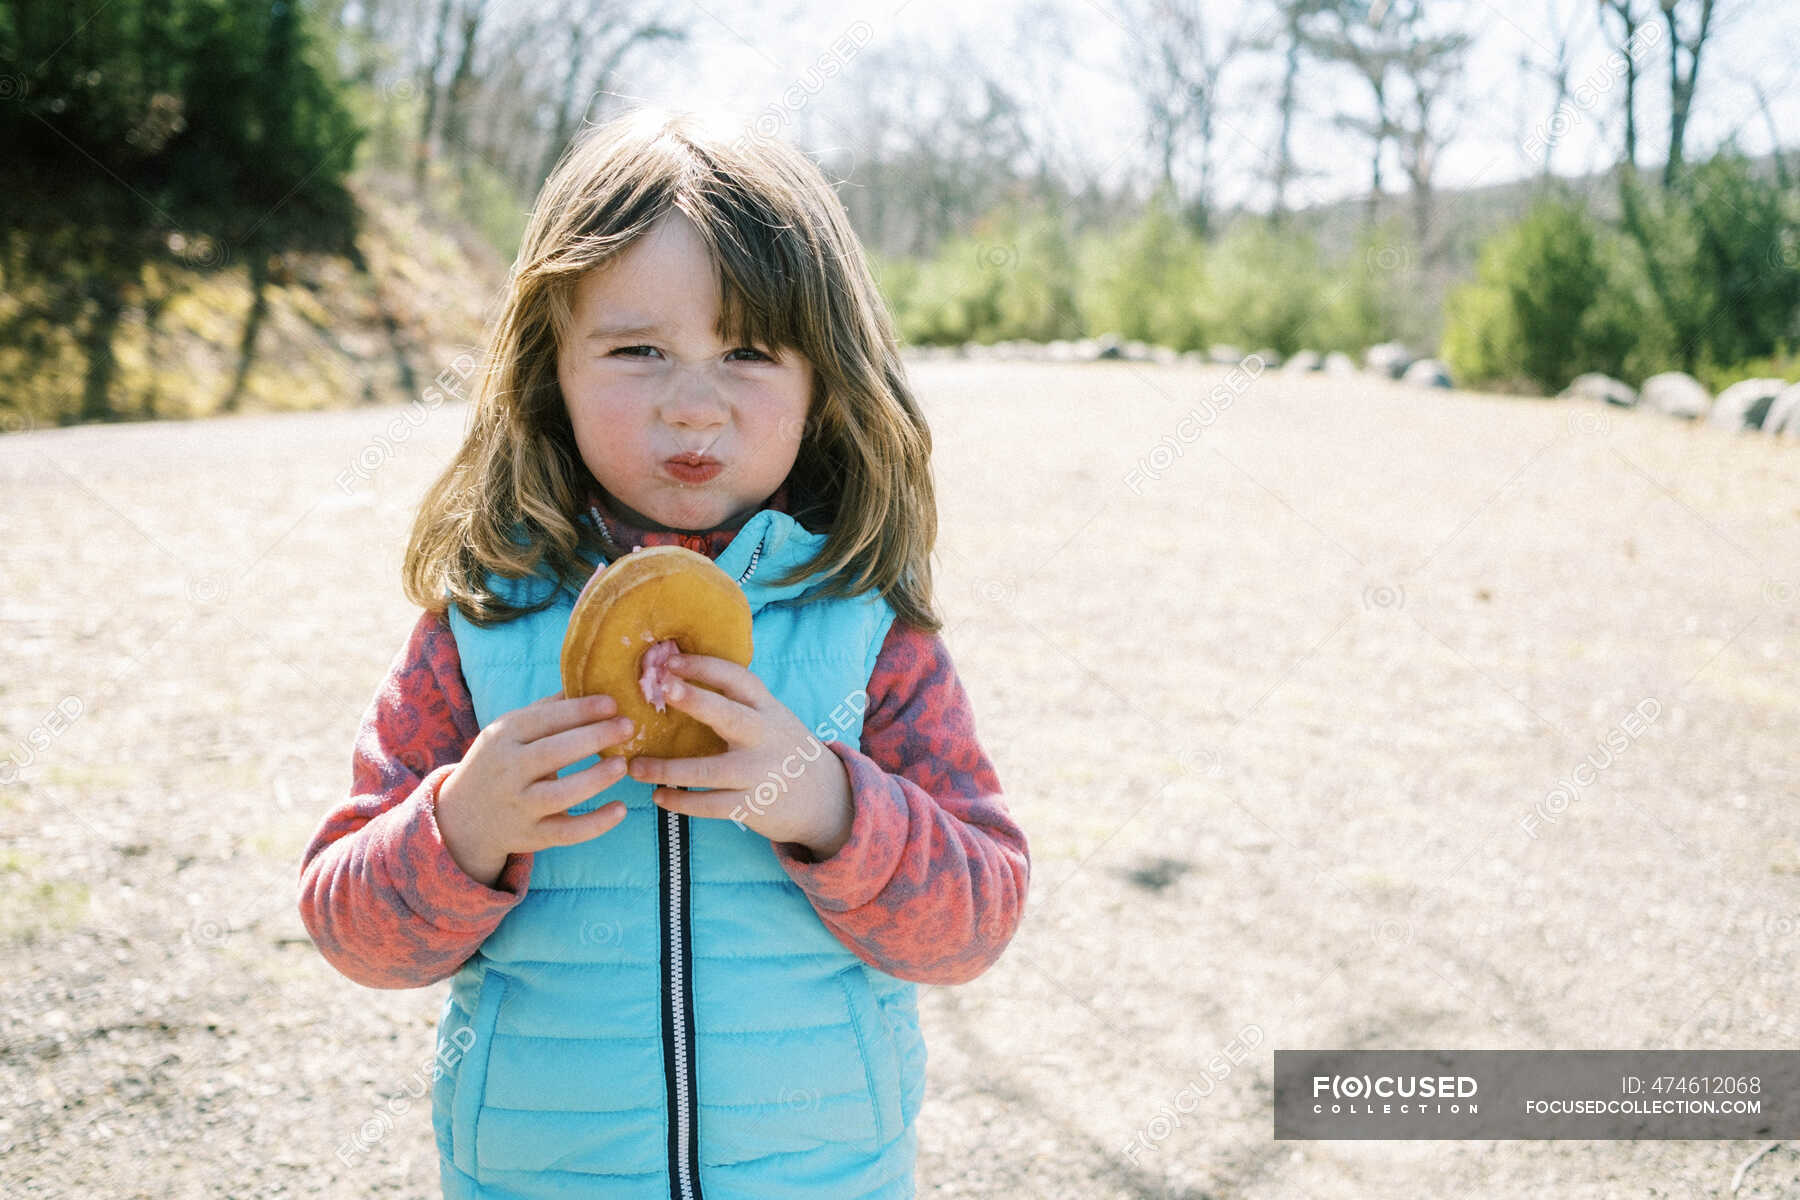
(678, 962)
(678, 1009)
(755, 552)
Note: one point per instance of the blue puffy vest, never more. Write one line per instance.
(664, 1014)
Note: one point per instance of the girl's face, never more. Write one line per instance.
(646, 378)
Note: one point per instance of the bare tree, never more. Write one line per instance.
(1681, 83)
(1555, 70)
(940, 141)
(1175, 59)
(428, 83)
(1431, 68)
(590, 26)
(462, 84)
(1626, 44)
(1363, 39)
(1289, 39)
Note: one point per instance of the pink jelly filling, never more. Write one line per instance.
(655, 675)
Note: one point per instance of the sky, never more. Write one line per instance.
(744, 58)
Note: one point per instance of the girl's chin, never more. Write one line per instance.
(696, 517)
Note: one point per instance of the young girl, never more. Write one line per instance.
(655, 991)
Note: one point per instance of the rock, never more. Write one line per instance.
(1302, 362)
(1163, 354)
(1270, 358)
(1428, 372)
(1194, 356)
(1676, 394)
(1225, 356)
(1784, 415)
(1340, 364)
(1137, 351)
(1111, 345)
(1595, 386)
(1745, 404)
(1388, 358)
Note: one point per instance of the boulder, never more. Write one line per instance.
(1302, 362)
(1595, 386)
(1194, 356)
(1270, 358)
(1428, 372)
(1784, 415)
(1111, 345)
(1388, 358)
(1676, 394)
(1225, 356)
(1745, 404)
(1163, 354)
(1340, 364)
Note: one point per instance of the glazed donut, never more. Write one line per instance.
(629, 618)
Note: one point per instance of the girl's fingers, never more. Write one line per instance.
(555, 714)
(706, 771)
(550, 754)
(561, 829)
(556, 795)
(726, 717)
(720, 674)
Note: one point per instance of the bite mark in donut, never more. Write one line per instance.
(627, 621)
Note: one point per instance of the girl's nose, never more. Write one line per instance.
(692, 398)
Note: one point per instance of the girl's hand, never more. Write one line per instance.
(775, 776)
(504, 797)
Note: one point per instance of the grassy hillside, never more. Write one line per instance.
(371, 328)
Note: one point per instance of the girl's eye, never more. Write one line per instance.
(632, 352)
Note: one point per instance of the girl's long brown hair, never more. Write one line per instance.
(792, 275)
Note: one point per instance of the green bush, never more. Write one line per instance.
(1721, 256)
(1540, 308)
(1147, 281)
(1371, 294)
(1265, 289)
(1783, 364)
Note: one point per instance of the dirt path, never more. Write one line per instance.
(1272, 711)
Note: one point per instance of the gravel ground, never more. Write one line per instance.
(1271, 704)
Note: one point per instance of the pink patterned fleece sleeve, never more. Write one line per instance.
(379, 893)
(931, 885)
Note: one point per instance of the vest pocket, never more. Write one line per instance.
(471, 1078)
(880, 1056)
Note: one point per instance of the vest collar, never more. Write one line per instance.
(765, 547)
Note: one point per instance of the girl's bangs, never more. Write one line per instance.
(763, 282)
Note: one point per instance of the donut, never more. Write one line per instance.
(629, 618)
